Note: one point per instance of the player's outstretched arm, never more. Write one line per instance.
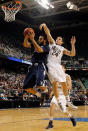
(36, 46)
(47, 32)
(26, 42)
(73, 51)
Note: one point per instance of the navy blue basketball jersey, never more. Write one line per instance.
(40, 57)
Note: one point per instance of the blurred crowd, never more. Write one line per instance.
(76, 63)
(11, 46)
(11, 88)
(10, 85)
(78, 93)
(14, 48)
(14, 52)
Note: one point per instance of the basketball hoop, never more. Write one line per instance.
(10, 10)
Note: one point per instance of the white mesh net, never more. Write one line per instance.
(11, 10)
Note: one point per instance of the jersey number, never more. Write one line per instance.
(55, 52)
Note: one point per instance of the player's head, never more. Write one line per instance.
(41, 39)
(59, 40)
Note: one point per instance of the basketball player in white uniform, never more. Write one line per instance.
(55, 71)
(62, 104)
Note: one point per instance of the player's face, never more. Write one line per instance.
(41, 39)
(59, 41)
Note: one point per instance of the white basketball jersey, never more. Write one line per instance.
(55, 53)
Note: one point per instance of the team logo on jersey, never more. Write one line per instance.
(55, 51)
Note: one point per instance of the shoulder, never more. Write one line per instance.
(62, 48)
(45, 48)
(46, 45)
(53, 44)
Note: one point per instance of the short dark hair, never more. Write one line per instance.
(45, 38)
(61, 37)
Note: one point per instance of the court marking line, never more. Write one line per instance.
(19, 121)
(68, 119)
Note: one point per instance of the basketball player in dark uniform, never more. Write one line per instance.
(36, 73)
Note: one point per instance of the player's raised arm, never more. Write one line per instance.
(47, 32)
(36, 46)
(73, 51)
(26, 42)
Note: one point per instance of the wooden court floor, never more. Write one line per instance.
(34, 119)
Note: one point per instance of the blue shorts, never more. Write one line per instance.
(35, 76)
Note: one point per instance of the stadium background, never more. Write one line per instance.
(15, 59)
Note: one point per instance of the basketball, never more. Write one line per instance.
(28, 31)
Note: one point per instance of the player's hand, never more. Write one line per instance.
(31, 36)
(73, 40)
(27, 36)
(41, 26)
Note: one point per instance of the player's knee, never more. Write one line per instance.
(52, 105)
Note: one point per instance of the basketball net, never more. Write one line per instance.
(11, 10)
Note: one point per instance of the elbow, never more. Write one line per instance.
(24, 45)
(27, 45)
(40, 51)
(73, 54)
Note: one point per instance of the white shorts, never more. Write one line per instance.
(61, 102)
(56, 73)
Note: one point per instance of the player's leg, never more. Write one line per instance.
(57, 85)
(62, 79)
(30, 81)
(60, 76)
(69, 103)
(40, 77)
(68, 87)
(62, 103)
(52, 107)
(55, 89)
(33, 91)
(50, 124)
(65, 91)
(64, 87)
(71, 118)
